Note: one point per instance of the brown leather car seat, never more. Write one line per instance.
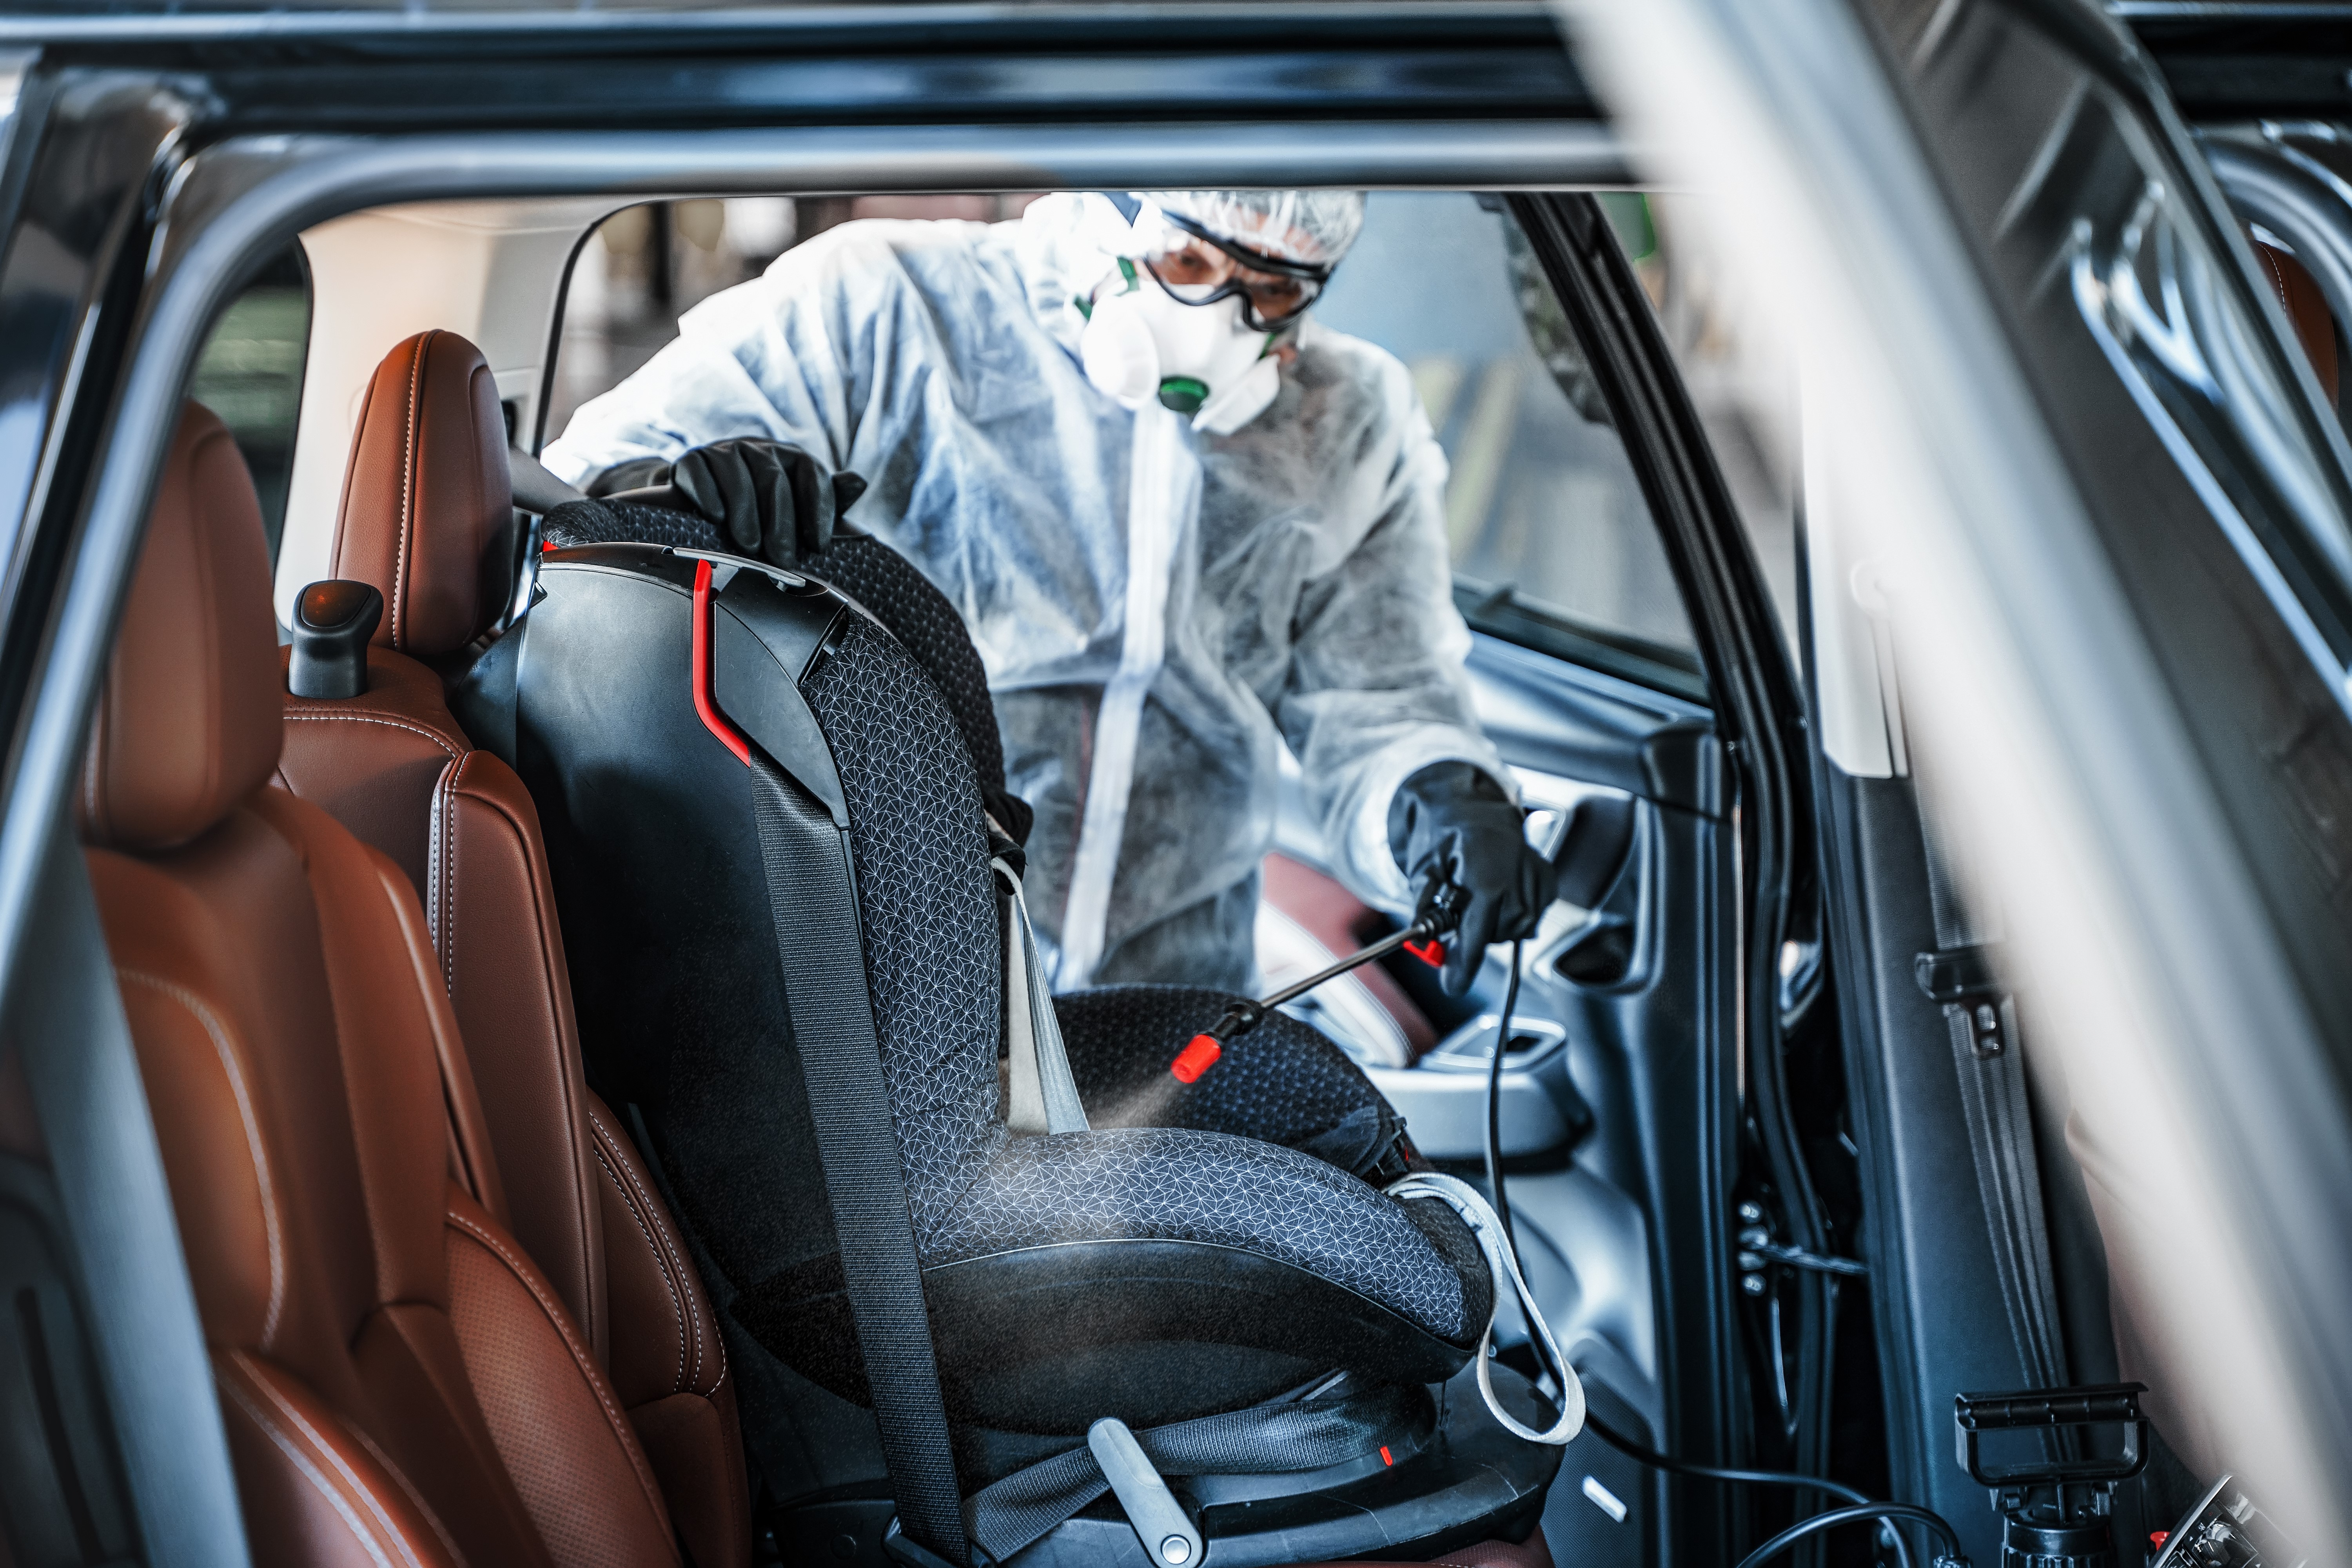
(426, 517)
(2306, 308)
(400, 1384)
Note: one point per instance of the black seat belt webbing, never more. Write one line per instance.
(818, 940)
(1992, 1091)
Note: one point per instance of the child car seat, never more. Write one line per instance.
(772, 868)
(1285, 1085)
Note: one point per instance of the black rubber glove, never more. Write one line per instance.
(1451, 822)
(768, 499)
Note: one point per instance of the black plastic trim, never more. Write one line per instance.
(1759, 716)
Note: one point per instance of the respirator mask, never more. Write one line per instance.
(1191, 322)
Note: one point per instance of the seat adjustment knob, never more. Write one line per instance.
(332, 623)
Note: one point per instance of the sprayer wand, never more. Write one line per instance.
(1424, 939)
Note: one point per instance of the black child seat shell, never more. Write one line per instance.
(1203, 1249)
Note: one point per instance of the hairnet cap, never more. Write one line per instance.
(1315, 227)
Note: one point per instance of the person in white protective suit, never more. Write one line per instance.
(1184, 523)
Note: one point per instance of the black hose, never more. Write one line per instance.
(1657, 1461)
(1495, 1106)
(1835, 1517)
(1864, 1507)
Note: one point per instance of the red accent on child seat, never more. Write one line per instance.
(2156, 1538)
(1432, 952)
(704, 707)
(1384, 1454)
(1196, 1058)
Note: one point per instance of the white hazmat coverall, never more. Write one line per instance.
(1159, 610)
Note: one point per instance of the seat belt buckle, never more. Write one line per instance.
(1169, 1536)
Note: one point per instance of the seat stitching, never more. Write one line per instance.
(310, 1472)
(254, 1146)
(278, 1436)
(579, 1357)
(436, 829)
(401, 1477)
(672, 1265)
(407, 479)
(439, 741)
(719, 1343)
(678, 1378)
(543, 920)
(2278, 277)
(673, 1273)
(447, 825)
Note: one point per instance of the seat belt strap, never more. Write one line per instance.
(1982, 1020)
(821, 949)
(1044, 1095)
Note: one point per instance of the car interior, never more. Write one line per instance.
(548, 874)
(611, 1115)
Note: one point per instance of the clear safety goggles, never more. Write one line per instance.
(1198, 267)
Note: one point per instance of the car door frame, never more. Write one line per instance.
(2162, 930)
(1740, 1139)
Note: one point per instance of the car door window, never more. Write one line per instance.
(1553, 545)
(250, 373)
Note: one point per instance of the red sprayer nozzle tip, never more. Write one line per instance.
(1196, 1058)
(1432, 952)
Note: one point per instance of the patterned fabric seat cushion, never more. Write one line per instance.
(931, 952)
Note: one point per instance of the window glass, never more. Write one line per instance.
(1553, 546)
(250, 373)
(1741, 381)
(647, 265)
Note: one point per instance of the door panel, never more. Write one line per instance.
(1609, 1086)
(1625, 1230)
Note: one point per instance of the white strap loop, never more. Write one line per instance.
(1487, 1227)
(1045, 1096)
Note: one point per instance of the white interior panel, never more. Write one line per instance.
(491, 271)
(1853, 665)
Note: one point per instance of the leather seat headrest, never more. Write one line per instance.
(428, 513)
(188, 721)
